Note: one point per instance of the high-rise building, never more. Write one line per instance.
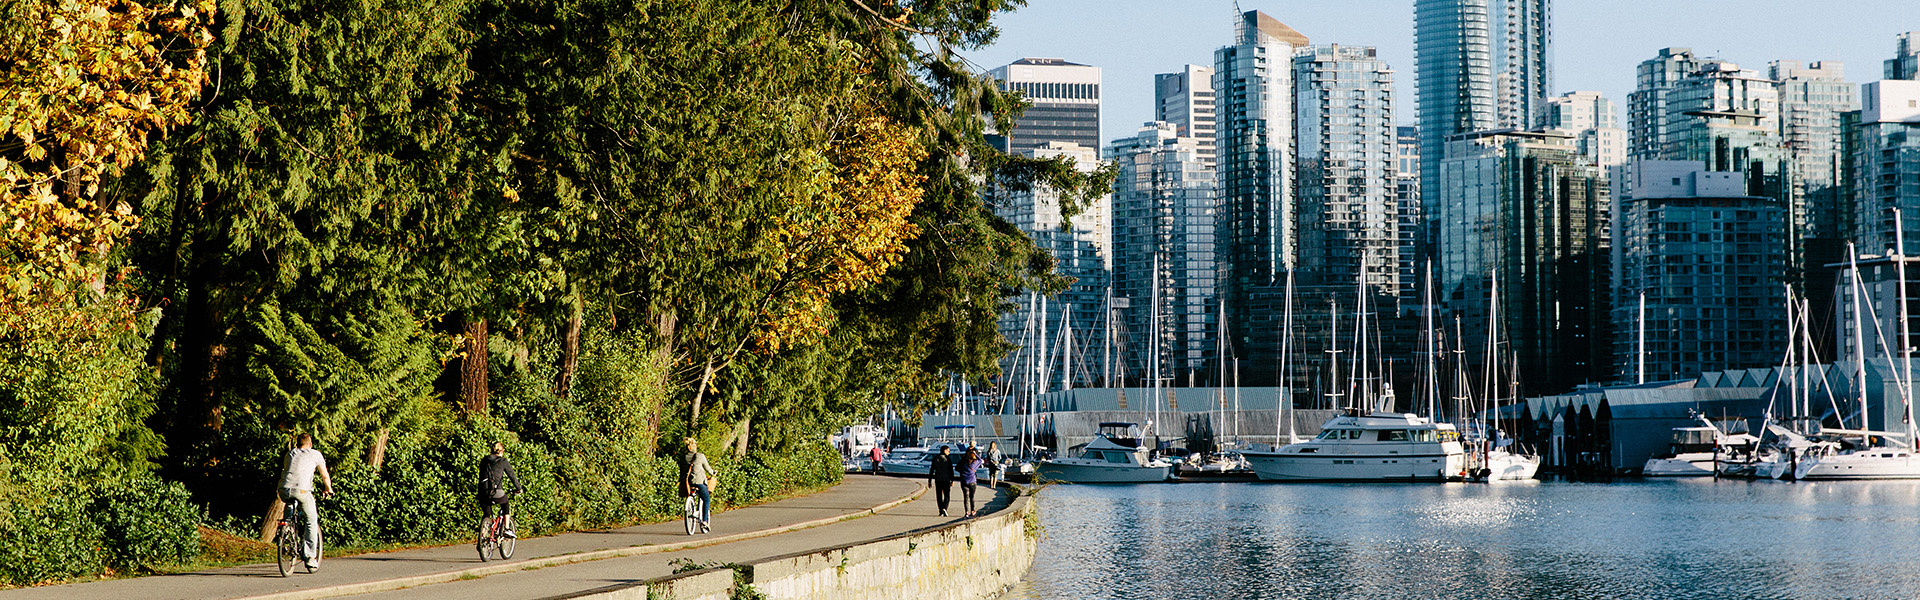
(1706, 261)
(1185, 99)
(1081, 250)
(1593, 121)
(1813, 101)
(1065, 100)
(1905, 63)
(1406, 194)
(1481, 65)
(1647, 106)
(1886, 167)
(1257, 236)
(1527, 212)
(1345, 142)
(1163, 215)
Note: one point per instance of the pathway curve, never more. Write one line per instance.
(862, 507)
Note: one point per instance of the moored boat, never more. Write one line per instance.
(1115, 455)
(1374, 447)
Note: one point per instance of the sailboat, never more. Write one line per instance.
(1367, 443)
(1869, 461)
(1497, 462)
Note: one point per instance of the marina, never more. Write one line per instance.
(1674, 538)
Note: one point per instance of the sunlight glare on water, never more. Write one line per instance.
(1695, 538)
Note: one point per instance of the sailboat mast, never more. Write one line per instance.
(1286, 381)
(1859, 337)
(1433, 346)
(1066, 347)
(1640, 375)
(1334, 396)
(1906, 346)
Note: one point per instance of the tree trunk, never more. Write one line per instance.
(377, 455)
(706, 379)
(273, 517)
(740, 443)
(195, 419)
(570, 349)
(473, 367)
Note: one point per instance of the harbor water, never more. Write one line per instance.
(1694, 538)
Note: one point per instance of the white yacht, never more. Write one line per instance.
(1693, 451)
(1507, 466)
(1878, 462)
(1115, 455)
(1376, 447)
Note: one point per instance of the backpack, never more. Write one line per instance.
(493, 475)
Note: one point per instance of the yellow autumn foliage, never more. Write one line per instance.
(84, 86)
(849, 231)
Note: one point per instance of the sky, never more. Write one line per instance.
(1596, 43)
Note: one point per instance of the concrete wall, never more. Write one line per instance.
(977, 559)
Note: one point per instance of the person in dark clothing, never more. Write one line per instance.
(496, 482)
(942, 475)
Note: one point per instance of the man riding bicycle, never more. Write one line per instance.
(296, 486)
(698, 478)
(495, 473)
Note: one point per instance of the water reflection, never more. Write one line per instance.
(1657, 539)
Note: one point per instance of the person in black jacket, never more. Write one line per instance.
(496, 473)
(942, 475)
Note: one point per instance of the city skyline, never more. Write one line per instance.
(1596, 46)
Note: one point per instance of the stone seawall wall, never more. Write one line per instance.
(971, 560)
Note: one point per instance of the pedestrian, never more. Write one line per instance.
(846, 450)
(942, 475)
(993, 459)
(969, 476)
(877, 454)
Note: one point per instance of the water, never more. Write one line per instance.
(1696, 538)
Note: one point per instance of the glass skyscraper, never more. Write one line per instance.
(1185, 99)
(1256, 233)
(1163, 216)
(1886, 165)
(1065, 100)
(1346, 140)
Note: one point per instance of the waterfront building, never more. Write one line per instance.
(1065, 99)
(1701, 275)
(1529, 209)
(1185, 99)
(1905, 64)
(1647, 109)
(1480, 65)
(1345, 144)
(1163, 215)
(1256, 235)
(1885, 156)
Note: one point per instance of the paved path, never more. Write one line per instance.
(549, 566)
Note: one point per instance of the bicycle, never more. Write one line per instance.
(695, 525)
(496, 533)
(286, 541)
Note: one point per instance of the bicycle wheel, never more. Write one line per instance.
(486, 535)
(286, 547)
(693, 515)
(503, 546)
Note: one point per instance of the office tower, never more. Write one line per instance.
(1185, 99)
(1905, 64)
(1886, 164)
(1064, 333)
(1163, 216)
(1815, 102)
(1647, 106)
(1406, 194)
(1707, 259)
(1065, 101)
(1345, 143)
(1528, 209)
(1252, 82)
(1593, 121)
(1481, 65)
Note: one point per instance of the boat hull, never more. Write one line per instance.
(1678, 467)
(1291, 466)
(1511, 467)
(1856, 467)
(1091, 472)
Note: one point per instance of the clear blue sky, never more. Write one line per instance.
(1596, 43)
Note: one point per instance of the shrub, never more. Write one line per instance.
(48, 540)
(146, 523)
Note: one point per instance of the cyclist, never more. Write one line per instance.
(495, 473)
(296, 486)
(697, 478)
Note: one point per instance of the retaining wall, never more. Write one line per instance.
(970, 560)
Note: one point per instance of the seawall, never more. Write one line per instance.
(976, 559)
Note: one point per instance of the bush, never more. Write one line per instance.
(48, 540)
(147, 523)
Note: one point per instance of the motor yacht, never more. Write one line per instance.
(1373, 447)
(1115, 455)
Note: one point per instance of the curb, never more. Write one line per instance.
(567, 559)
